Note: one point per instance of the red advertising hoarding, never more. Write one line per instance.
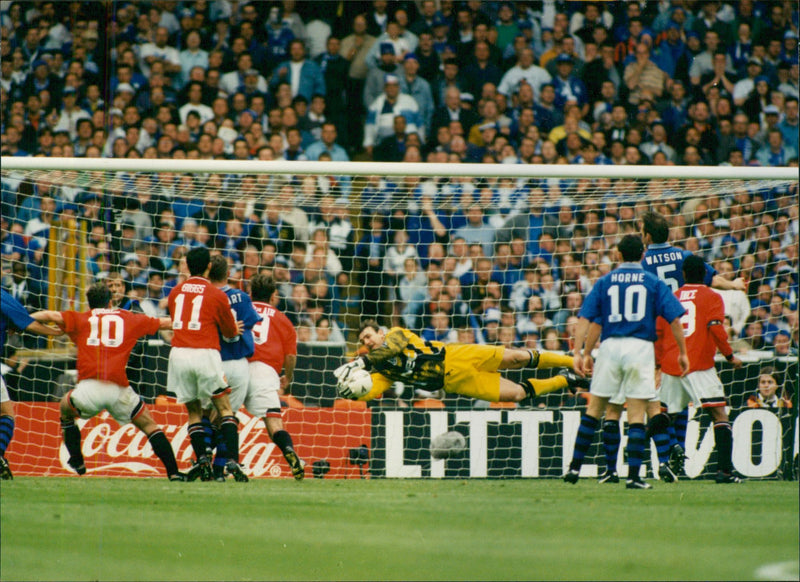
(112, 450)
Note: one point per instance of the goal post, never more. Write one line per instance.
(484, 253)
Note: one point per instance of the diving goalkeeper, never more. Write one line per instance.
(470, 370)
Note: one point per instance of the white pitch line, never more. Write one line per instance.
(779, 571)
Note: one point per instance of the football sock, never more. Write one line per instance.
(6, 432)
(283, 439)
(221, 456)
(535, 387)
(208, 432)
(197, 437)
(657, 430)
(681, 420)
(723, 437)
(551, 360)
(163, 450)
(72, 440)
(230, 434)
(636, 443)
(671, 434)
(583, 440)
(611, 441)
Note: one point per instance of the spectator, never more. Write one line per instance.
(370, 253)
(745, 86)
(703, 62)
(304, 76)
(775, 152)
(453, 110)
(160, 51)
(525, 69)
(381, 114)
(334, 68)
(417, 87)
(480, 69)
(401, 40)
(279, 37)
(767, 394)
(643, 77)
(790, 125)
(376, 77)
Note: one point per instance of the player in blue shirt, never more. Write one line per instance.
(621, 309)
(13, 315)
(666, 262)
(234, 353)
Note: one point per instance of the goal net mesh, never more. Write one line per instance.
(497, 258)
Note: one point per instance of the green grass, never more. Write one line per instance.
(150, 529)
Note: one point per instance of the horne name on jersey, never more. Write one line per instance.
(627, 277)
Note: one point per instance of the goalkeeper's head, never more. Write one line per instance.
(262, 287)
(98, 296)
(197, 259)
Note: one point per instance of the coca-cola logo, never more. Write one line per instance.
(130, 451)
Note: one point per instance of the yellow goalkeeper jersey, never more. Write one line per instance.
(405, 357)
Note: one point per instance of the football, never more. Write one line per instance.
(358, 383)
(447, 445)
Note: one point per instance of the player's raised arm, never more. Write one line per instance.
(720, 282)
(42, 317)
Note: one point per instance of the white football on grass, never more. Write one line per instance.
(447, 444)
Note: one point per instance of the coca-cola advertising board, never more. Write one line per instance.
(111, 450)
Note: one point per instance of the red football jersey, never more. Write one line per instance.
(198, 310)
(703, 306)
(105, 338)
(275, 337)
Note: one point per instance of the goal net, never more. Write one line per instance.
(470, 253)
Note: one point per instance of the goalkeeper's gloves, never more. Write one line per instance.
(342, 373)
(345, 391)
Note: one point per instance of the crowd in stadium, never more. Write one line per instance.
(619, 83)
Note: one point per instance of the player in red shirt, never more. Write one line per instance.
(275, 350)
(200, 312)
(104, 338)
(704, 333)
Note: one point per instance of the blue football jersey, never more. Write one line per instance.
(243, 310)
(13, 313)
(666, 263)
(627, 301)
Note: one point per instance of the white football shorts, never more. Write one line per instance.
(262, 393)
(90, 397)
(194, 374)
(4, 397)
(625, 368)
(703, 388)
(238, 374)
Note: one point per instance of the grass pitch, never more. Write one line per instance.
(150, 529)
